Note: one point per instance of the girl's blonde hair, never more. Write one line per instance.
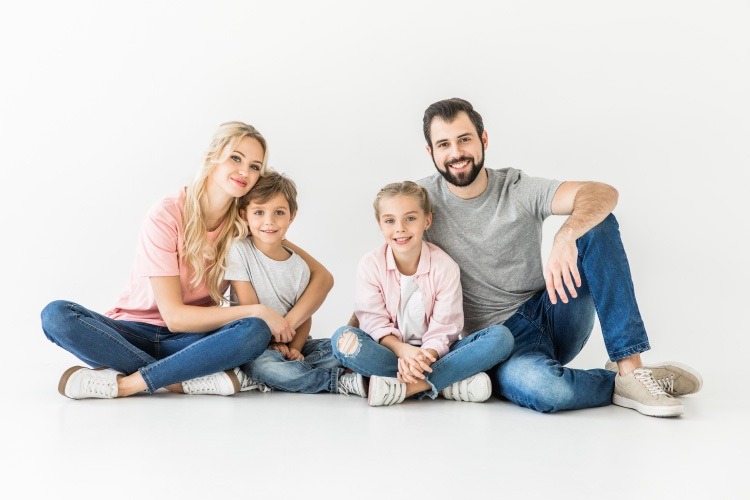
(406, 188)
(205, 260)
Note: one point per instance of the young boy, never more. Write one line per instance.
(263, 271)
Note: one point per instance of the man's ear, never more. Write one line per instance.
(429, 150)
(485, 142)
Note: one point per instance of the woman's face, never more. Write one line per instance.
(241, 170)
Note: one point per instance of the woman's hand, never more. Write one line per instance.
(281, 330)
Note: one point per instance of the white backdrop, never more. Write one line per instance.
(105, 108)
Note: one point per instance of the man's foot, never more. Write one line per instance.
(474, 389)
(223, 383)
(352, 383)
(385, 391)
(82, 383)
(674, 378)
(248, 384)
(638, 390)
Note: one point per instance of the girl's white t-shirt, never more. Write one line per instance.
(411, 319)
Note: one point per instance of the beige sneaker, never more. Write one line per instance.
(638, 390)
(676, 379)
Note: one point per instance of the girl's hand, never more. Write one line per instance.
(281, 330)
(294, 355)
(413, 362)
(282, 348)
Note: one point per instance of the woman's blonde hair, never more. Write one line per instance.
(406, 188)
(205, 260)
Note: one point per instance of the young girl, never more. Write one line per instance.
(167, 330)
(408, 299)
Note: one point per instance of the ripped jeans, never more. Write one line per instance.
(475, 353)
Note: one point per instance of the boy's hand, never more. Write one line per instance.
(294, 355)
(282, 348)
(281, 330)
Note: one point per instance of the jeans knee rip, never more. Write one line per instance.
(349, 344)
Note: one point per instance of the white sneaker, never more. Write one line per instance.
(248, 384)
(223, 383)
(385, 391)
(474, 389)
(352, 383)
(81, 383)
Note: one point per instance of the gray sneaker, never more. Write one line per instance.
(638, 390)
(676, 379)
(385, 391)
(352, 383)
(249, 384)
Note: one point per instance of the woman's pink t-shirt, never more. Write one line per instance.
(157, 254)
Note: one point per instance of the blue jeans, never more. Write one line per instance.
(476, 353)
(318, 372)
(162, 357)
(548, 336)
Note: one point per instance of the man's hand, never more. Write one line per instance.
(562, 267)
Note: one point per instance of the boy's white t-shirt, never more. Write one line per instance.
(411, 319)
(278, 284)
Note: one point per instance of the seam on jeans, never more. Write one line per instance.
(113, 323)
(127, 347)
(542, 331)
(642, 347)
(147, 379)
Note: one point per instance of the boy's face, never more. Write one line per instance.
(268, 221)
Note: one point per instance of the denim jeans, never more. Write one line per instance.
(548, 336)
(318, 372)
(476, 353)
(162, 357)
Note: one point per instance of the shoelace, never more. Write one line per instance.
(666, 383)
(348, 384)
(98, 386)
(248, 384)
(646, 378)
(201, 384)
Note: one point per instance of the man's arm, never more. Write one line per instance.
(587, 204)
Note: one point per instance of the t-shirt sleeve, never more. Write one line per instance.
(157, 253)
(236, 265)
(304, 278)
(535, 194)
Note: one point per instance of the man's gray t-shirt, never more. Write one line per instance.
(278, 284)
(496, 239)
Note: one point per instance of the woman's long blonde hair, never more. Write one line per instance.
(205, 260)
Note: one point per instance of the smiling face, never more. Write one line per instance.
(457, 150)
(403, 222)
(268, 221)
(240, 171)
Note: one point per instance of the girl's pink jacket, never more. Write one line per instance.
(377, 295)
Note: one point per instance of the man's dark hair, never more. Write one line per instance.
(447, 110)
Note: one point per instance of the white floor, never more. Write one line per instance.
(279, 445)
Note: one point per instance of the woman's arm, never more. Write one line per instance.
(181, 318)
(321, 282)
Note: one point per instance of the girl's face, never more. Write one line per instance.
(241, 170)
(403, 222)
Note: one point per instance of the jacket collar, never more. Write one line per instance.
(424, 260)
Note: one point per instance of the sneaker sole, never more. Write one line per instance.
(651, 411)
(64, 379)
(686, 369)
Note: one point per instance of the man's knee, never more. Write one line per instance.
(535, 385)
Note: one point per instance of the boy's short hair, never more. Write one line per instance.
(269, 186)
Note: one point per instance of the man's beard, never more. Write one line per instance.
(464, 179)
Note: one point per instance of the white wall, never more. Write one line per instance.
(105, 108)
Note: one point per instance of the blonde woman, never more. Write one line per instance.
(167, 329)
